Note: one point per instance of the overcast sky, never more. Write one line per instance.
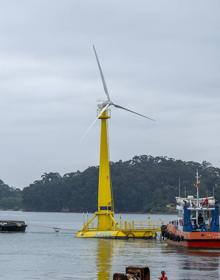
(160, 58)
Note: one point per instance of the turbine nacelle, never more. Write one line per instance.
(103, 107)
(101, 104)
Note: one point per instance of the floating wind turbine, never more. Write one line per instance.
(106, 225)
(106, 104)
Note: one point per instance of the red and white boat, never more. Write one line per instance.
(197, 225)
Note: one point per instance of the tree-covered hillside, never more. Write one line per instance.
(143, 184)
(10, 198)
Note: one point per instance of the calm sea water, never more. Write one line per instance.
(41, 253)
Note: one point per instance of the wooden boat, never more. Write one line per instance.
(197, 225)
(12, 226)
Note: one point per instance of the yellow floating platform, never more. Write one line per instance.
(124, 230)
(118, 234)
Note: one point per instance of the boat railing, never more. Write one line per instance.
(131, 225)
(192, 202)
(201, 208)
(139, 225)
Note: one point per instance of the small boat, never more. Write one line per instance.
(12, 226)
(197, 225)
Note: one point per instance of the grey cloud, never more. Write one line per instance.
(160, 58)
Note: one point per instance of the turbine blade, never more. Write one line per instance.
(123, 108)
(93, 123)
(101, 73)
(88, 129)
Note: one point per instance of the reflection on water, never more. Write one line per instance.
(180, 264)
(42, 254)
(208, 259)
(104, 258)
(114, 255)
(193, 264)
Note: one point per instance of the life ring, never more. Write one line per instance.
(130, 235)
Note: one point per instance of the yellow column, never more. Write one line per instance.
(105, 203)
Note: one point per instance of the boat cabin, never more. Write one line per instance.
(197, 214)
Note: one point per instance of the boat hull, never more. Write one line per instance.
(12, 226)
(196, 239)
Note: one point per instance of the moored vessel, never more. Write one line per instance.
(12, 226)
(197, 225)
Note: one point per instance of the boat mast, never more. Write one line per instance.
(197, 186)
(197, 189)
(213, 190)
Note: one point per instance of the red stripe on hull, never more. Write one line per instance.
(198, 244)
